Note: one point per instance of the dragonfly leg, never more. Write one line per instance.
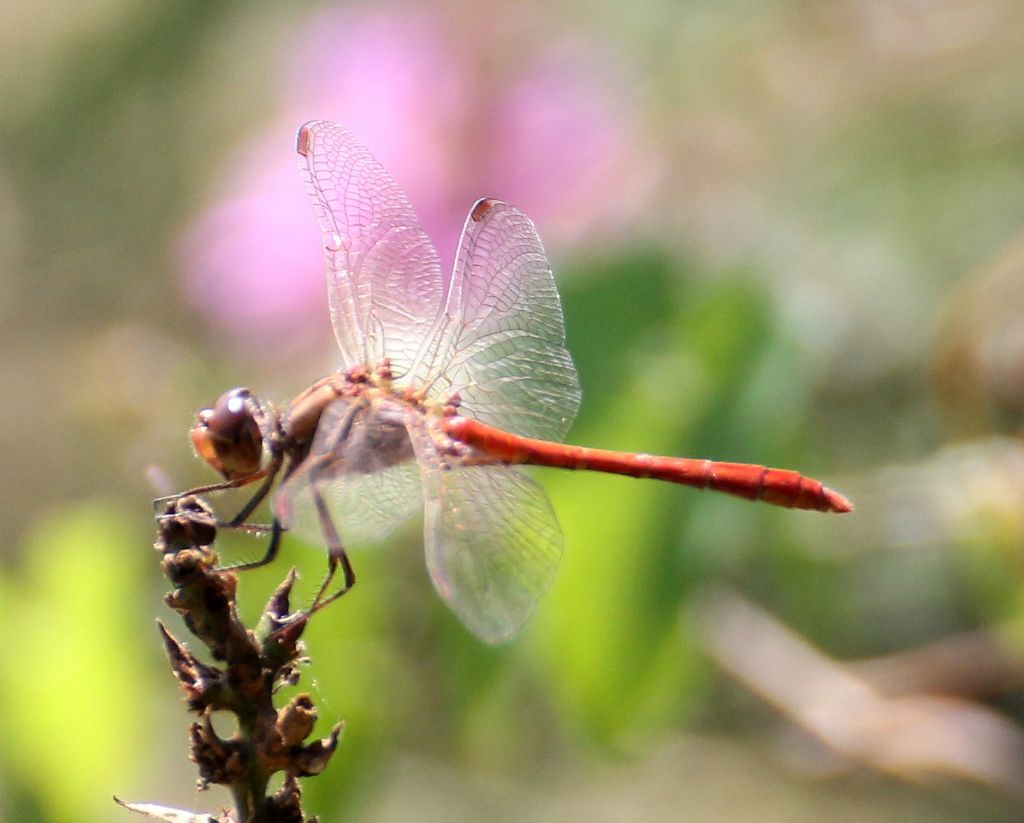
(247, 528)
(276, 529)
(224, 485)
(336, 556)
(268, 474)
(271, 473)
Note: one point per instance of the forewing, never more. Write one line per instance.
(503, 346)
(366, 505)
(384, 279)
(491, 538)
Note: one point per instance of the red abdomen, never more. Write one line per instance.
(779, 487)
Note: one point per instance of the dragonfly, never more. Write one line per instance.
(448, 385)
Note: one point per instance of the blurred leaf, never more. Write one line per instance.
(613, 613)
(75, 663)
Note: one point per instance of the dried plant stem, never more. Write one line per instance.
(251, 665)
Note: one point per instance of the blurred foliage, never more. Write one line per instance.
(823, 272)
(74, 649)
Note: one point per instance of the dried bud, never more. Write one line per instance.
(296, 720)
(218, 760)
(277, 608)
(283, 645)
(186, 523)
(195, 677)
(314, 758)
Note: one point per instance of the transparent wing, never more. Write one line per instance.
(384, 279)
(503, 344)
(367, 499)
(491, 538)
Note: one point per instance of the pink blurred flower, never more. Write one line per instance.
(249, 260)
(552, 134)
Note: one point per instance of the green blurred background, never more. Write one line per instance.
(787, 233)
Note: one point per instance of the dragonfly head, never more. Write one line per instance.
(228, 436)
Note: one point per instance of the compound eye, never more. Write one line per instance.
(228, 436)
(231, 415)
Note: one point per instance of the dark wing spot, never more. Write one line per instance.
(302, 140)
(481, 208)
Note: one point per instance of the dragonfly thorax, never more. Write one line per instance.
(350, 422)
(372, 434)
